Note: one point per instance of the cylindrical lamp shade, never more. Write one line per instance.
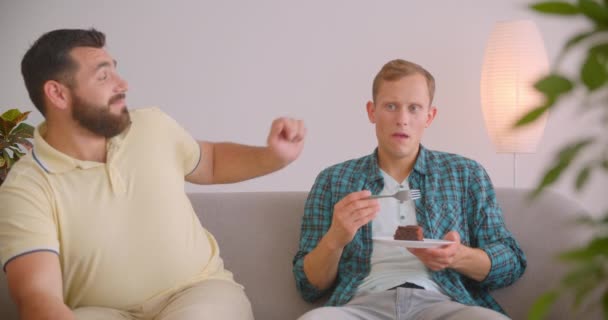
(514, 59)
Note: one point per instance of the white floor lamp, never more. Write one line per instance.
(514, 59)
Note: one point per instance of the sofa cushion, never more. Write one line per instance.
(544, 228)
(258, 235)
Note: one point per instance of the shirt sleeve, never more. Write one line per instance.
(187, 149)
(508, 261)
(318, 212)
(27, 222)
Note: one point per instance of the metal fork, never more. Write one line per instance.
(403, 195)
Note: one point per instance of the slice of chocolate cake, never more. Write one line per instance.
(411, 233)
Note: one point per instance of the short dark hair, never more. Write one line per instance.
(396, 69)
(49, 59)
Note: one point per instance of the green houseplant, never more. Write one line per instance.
(14, 135)
(587, 278)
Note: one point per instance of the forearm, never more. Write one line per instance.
(236, 162)
(321, 264)
(44, 307)
(472, 262)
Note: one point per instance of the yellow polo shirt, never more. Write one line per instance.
(124, 230)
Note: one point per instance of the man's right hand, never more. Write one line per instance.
(351, 213)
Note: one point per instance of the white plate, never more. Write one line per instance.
(425, 243)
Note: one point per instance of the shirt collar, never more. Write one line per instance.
(422, 161)
(372, 169)
(55, 161)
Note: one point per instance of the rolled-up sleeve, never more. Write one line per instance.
(508, 261)
(315, 223)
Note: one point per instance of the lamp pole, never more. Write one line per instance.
(514, 169)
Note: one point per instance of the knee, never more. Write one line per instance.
(211, 299)
(96, 313)
(322, 313)
(485, 314)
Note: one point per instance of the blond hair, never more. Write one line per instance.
(396, 69)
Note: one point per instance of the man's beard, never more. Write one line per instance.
(98, 119)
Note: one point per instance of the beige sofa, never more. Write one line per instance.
(258, 236)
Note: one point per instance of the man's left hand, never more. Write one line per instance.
(440, 258)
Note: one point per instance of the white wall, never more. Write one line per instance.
(225, 69)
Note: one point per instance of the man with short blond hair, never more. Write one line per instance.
(340, 254)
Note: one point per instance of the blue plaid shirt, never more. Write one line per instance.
(457, 194)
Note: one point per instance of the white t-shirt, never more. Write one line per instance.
(392, 265)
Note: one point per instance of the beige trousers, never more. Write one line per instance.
(403, 304)
(209, 299)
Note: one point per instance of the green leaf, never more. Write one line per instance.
(14, 115)
(600, 50)
(24, 142)
(14, 138)
(554, 85)
(586, 220)
(556, 7)
(584, 254)
(23, 130)
(7, 159)
(19, 137)
(11, 115)
(600, 245)
(549, 178)
(569, 152)
(563, 159)
(584, 279)
(605, 219)
(597, 247)
(593, 73)
(17, 155)
(10, 118)
(583, 288)
(533, 114)
(2, 162)
(542, 305)
(594, 11)
(582, 178)
(589, 221)
(13, 156)
(6, 127)
(578, 38)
